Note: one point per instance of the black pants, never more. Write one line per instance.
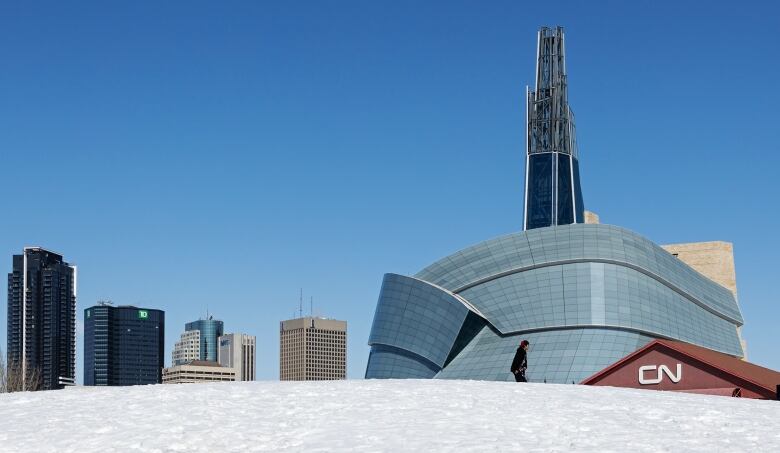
(520, 377)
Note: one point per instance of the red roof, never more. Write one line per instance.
(725, 391)
(758, 375)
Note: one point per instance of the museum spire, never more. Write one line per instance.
(552, 181)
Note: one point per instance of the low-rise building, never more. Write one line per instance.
(682, 367)
(198, 371)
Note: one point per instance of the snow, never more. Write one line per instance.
(382, 415)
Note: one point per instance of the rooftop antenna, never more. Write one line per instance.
(300, 305)
(311, 306)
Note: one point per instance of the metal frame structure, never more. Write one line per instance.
(551, 124)
(550, 130)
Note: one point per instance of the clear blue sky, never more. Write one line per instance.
(221, 155)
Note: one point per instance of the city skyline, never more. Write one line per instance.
(224, 158)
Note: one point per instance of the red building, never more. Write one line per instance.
(676, 366)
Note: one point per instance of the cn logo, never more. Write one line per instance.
(659, 374)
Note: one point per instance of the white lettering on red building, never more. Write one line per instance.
(660, 371)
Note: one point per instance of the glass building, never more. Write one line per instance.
(123, 345)
(584, 295)
(210, 331)
(41, 331)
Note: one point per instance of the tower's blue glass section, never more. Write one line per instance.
(539, 205)
(565, 201)
(210, 331)
(553, 193)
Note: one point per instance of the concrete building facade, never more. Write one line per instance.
(237, 350)
(312, 349)
(714, 260)
(591, 217)
(187, 348)
(198, 371)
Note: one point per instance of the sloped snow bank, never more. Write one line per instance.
(382, 415)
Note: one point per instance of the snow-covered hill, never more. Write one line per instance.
(395, 415)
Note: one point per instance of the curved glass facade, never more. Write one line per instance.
(584, 295)
(389, 362)
(210, 331)
(417, 317)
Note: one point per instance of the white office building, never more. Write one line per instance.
(237, 350)
(187, 348)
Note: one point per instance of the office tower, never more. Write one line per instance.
(552, 180)
(198, 371)
(210, 330)
(41, 332)
(123, 345)
(312, 349)
(187, 348)
(237, 350)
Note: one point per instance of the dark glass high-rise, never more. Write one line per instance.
(123, 345)
(552, 182)
(41, 335)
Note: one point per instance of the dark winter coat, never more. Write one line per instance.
(520, 361)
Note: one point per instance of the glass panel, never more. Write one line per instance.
(539, 194)
(565, 208)
(578, 192)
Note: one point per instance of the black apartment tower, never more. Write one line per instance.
(41, 321)
(123, 345)
(552, 179)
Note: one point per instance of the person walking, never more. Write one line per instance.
(520, 362)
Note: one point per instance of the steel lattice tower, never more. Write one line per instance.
(552, 180)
